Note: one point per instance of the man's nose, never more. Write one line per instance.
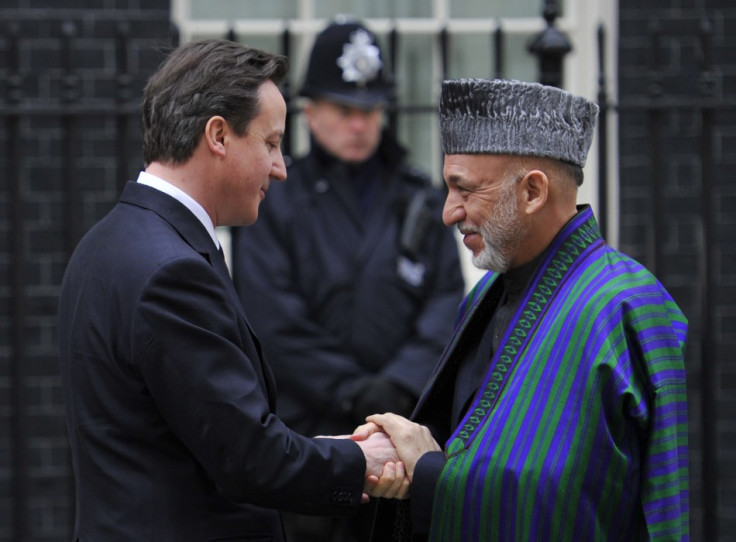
(452, 212)
(278, 169)
(358, 120)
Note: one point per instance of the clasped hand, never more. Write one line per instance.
(385, 474)
(392, 446)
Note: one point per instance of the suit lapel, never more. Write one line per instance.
(195, 235)
(217, 260)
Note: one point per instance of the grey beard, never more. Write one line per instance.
(501, 233)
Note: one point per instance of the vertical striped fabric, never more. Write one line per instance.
(579, 432)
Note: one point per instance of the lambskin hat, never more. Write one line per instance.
(346, 67)
(500, 116)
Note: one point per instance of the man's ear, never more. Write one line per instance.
(308, 113)
(535, 191)
(214, 135)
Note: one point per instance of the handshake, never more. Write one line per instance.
(392, 445)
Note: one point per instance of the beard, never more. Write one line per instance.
(502, 232)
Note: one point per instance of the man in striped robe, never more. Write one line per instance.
(560, 400)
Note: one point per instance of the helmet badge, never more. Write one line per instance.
(360, 60)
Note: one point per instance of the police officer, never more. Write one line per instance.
(349, 276)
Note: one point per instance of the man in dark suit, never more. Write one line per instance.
(170, 402)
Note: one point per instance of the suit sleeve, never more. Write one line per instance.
(201, 366)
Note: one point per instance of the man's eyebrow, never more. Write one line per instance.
(453, 178)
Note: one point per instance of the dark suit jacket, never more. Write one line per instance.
(170, 403)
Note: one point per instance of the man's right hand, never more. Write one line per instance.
(378, 450)
(411, 440)
(385, 473)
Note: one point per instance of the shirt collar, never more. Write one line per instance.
(185, 199)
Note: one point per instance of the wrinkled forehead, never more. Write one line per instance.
(478, 168)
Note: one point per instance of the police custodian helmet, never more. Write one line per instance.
(345, 67)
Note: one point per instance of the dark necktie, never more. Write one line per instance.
(220, 265)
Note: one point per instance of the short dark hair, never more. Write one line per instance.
(196, 82)
(566, 171)
(571, 172)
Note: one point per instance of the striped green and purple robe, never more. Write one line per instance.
(579, 430)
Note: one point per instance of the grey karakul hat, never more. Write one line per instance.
(499, 116)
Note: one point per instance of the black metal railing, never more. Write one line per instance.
(19, 109)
